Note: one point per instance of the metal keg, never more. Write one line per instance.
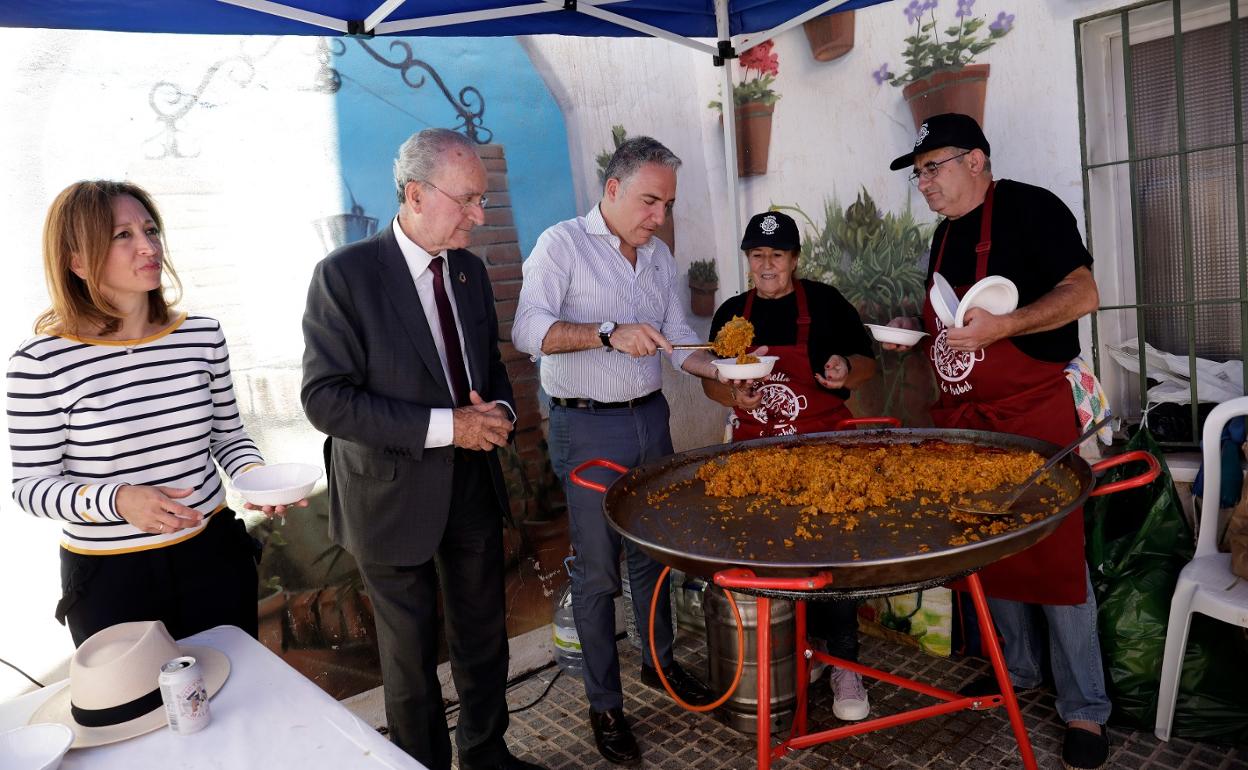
(740, 712)
(687, 592)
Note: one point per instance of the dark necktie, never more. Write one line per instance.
(450, 335)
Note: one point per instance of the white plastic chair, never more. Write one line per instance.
(1206, 585)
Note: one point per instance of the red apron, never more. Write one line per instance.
(793, 402)
(1000, 388)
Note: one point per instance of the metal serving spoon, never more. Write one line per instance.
(1003, 508)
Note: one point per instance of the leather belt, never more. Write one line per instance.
(589, 403)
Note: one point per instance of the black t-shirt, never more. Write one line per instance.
(1035, 243)
(835, 328)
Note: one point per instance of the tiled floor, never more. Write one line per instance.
(556, 733)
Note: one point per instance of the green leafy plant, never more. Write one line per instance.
(618, 135)
(702, 271)
(928, 52)
(877, 260)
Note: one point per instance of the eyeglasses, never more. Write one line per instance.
(930, 170)
(465, 201)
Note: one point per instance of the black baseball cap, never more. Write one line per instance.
(948, 130)
(771, 228)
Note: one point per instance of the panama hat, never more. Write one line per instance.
(112, 693)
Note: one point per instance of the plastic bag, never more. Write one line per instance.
(923, 619)
(1216, 381)
(1137, 543)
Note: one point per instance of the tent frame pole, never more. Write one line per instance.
(730, 139)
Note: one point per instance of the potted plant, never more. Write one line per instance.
(755, 101)
(830, 36)
(703, 282)
(940, 74)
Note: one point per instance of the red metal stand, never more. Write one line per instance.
(799, 738)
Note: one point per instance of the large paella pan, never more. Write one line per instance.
(663, 508)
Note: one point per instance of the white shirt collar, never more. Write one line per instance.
(417, 258)
(595, 224)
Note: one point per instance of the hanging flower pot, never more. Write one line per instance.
(755, 101)
(941, 74)
(830, 37)
(963, 91)
(753, 137)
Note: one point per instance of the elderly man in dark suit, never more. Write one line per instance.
(402, 371)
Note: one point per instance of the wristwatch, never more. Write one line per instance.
(604, 333)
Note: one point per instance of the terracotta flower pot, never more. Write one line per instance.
(702, 298)
(961, 91)
(753, 137)
(830, 37)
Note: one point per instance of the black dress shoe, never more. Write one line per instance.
(1085, 750)
(509, 762)
(614, 737)
(684, 684)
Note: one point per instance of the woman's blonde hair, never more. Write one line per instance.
(80, 224)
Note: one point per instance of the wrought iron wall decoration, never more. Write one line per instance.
(171, 103)
(469, 104)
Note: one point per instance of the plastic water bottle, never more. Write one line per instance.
(567, 642)
(630, 621)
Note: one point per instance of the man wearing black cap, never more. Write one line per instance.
(1006, 372)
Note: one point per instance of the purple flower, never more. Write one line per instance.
(964, 8)
(882, 75)
(1003, 24)
(914, 11)
(929, 5)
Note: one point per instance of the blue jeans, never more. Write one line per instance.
(629, 437)
(1074, 654)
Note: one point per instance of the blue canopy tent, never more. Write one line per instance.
(719, 28)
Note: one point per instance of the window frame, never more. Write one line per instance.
(1105, 91)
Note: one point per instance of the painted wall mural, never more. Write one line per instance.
(878, 261)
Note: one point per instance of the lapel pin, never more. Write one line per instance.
(463, 278)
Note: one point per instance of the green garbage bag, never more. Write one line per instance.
(1137, 543)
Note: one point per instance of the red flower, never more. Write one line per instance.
(762, 59)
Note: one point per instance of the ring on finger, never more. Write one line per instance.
(162, 527)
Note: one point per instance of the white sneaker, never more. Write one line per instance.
(849, 697)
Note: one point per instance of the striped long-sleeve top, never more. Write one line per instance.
(86, 417)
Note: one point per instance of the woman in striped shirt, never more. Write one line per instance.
(117, 410)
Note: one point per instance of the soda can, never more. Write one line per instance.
(182, 689)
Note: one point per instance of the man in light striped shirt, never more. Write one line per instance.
(600, 298)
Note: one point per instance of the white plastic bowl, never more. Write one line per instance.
(34, 747)
(895, 334)
(944, 299)
(735, 371)
(280, 484)
(996, 294)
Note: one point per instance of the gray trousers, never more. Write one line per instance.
(629, 437)
(468, 569)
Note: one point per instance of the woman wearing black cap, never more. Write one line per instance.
(824, 353)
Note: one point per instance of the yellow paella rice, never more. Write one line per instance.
(733, 338)
(840, 479)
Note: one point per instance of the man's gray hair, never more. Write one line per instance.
(419, 156)
(637, 152)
